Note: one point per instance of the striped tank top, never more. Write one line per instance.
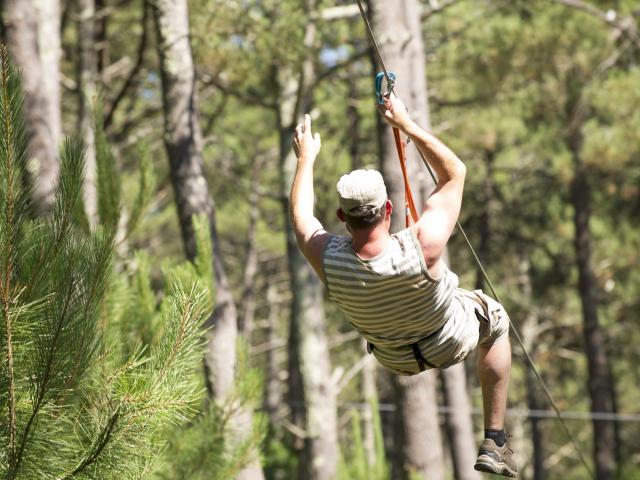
(392, 301)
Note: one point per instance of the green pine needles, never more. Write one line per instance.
(93, 375)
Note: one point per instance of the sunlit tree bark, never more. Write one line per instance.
(370, 396)
(248, 298)
(459, 423)
(398, 30)
(183, 141)
(87, 73)
(312, 394)
(311, 391)
(272, 389)
(33, 37)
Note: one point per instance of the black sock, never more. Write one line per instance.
(498, 436)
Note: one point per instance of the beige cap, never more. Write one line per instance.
(361, 188)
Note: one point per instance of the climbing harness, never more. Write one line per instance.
(400, 146)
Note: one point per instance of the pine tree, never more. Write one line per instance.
(78, 401)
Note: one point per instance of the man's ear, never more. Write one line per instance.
(340, 215)
(388, 207)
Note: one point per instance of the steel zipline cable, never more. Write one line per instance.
(516, 334)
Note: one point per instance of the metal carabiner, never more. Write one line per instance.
(390, 84)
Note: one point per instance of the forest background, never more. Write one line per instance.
(200, 345)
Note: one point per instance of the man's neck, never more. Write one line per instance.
(369, 243)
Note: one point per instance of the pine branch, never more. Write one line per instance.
(61, 320)
(189, 311)
(8, 253)
(108, 183)
(177, 343)
(41, 388)
(610, 17)
(334, 69)
(147, 186)
(134, 408)
(67, 204)
(68, 193)
(98, 446)
(100, 273)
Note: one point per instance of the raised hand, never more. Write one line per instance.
(305, 144)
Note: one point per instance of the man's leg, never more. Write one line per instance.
(493, 368)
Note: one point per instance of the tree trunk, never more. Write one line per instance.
(311, 390)
(248, 300)
(534, 403)
(460, 423)
(353, 121)
(399, 34)
(370, 395)
(529, 333)
(33, 37)
(183, 141)
(87, 73)
(486, 216)
(272, 390)
(418, 429)
(600, 381)
(102, 44)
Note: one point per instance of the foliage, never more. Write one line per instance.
(77, 406)
(107, 184)
(206, 448)
(356, 464)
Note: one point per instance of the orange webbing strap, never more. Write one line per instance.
(410, 208)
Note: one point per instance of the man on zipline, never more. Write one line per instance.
(396, 289)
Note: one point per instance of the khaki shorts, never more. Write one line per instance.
(485, 321)
(480, 320)
(493, 318)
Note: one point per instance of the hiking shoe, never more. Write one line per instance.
(495, 459)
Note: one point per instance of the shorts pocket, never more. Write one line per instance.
(494, 320)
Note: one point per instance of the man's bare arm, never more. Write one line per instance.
(443, 206)
(310, 233)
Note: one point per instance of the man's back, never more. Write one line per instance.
(390, 299)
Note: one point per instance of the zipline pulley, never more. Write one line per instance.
(391, 82)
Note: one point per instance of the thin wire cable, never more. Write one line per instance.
(376, 49)
(515, 332)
